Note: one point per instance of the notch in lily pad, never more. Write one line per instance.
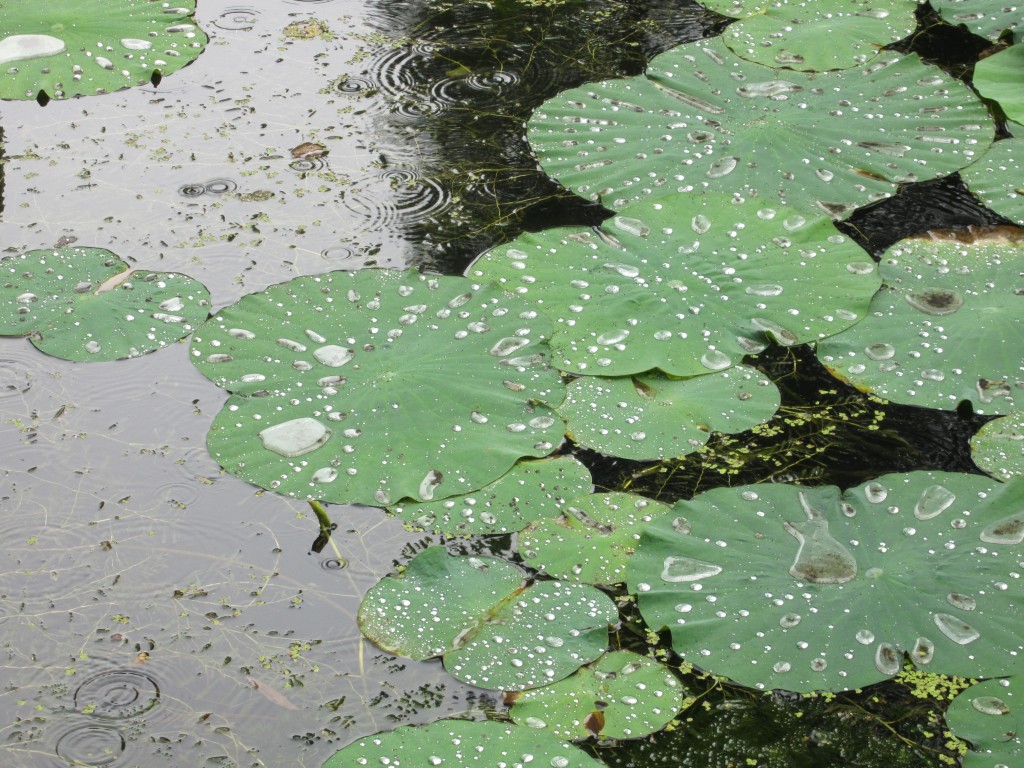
(86, 304)
(378, 386)
(806, 589)
(492, 628)
(63, 48)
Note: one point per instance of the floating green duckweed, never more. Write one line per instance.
(790, 33)
(530, 490)
(998, 447)
(469, 743)
(65, 48)
(703, 119)
(996, 178)
(1000, 77)
(592, 539)
(688, 284)
(988, 18)
(493, 630)
(85, 304)
(378, 386)
(988, 715)
(946, 327)
(779, 586)
(622, 695)
(652, 416)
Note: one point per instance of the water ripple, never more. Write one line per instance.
(239, 19)
(118, 694)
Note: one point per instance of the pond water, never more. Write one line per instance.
(192, 606)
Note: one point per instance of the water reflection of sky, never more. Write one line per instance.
(154, 610)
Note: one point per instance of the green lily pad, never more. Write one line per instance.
(789, 33)
(65, 48)
(703, 119)
(492, 629)
(778, 586)
(998, 447)
(990, 716)
(471, 743)
(1000, 77)
(85, 304)
(688, 284)
(531, 489)
(988, 18)
(592, 539)
(379, 385)
(996, 178)
(622, 695)
(948, 326)
(651, 416)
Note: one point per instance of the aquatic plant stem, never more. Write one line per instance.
(326, 527)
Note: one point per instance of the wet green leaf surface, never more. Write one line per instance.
(789, 34)
(1000, 77)
(85, 304)
(778, 586)
(592, 539)
(622, 695)
(378, 386)
(688, 284)
(998, 447)
(989, 715)
(480, 744)
(530, 490)
(702, 119)
(946, 327)
(651, 416)
(493, 630)
(996, 178)
(66, 48)
(988, 18)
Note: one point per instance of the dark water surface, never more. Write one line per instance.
(154, 611)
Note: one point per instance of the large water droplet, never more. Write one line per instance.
(887, 659)
(764, 289)
(24, 47)
(990, 705)
(820, 559)
(508, 345)
(700, 224)
(429, 484)
(715, 360)
(632, 226)
(924, 651)
(296, 437)
(936, 301)
(960, 632)
(679, 569)
(134, 44)
(722, 167)
(1009, 530)
(334, 356)
(880, 351)
(934, 500)
(612, 337)
(962, 601)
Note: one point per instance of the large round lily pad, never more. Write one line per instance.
(1000, 77)
(622, 695)
(702, 118)
(997, 178)
(785, 587)
(790, 33)
(592, 539)
(64, 48)
(492, 629)
(990, 715)
(998, 447)
(988, 18)
(531, 489)
(948, 326)
(85, 304)
(652, 416)
(688, 284)
(379, 385)
(469, 743)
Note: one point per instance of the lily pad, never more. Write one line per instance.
(948, 326)
(85, 304)
(592, 539)
(789, 33)
(990, 716)
(988, 18)
(530, 490)
(703, 119)
(998, 447)
(688, 284)
(379, 385)
(622, 695)
(996, 178)
(65, 48)
(778, 586)
(651, 416)
(471, 743)
(492, 629)
(1000, 77)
